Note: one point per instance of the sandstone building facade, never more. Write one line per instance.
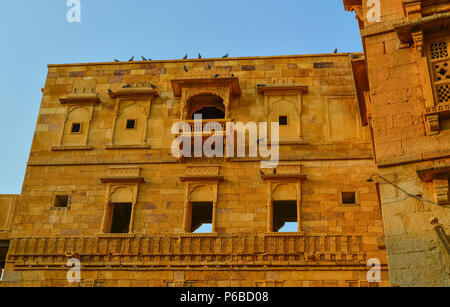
(403, 88)
(102, 184)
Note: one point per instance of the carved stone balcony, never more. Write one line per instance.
(205, 128)
(191, 251)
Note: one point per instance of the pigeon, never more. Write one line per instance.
(152, 85)
(109, 91)
(131, 60)
(215, 76)
(128, 85)
(261, 172)
(199, 56)
(185, 57)
(144, 59)
(185, 68)
(209, 66)
(225, 56)
(116, 60)
(336, 50)
(232, 75)
(274, 171)
(260, 85)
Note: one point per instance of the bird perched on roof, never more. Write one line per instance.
(209, 66)
(199, 56)
(274, 171)
(152, 85)
(185, 68)
(261, 85)
(131, 60)
(336, 50)
(128, 85)
(144, 59)
(109, 90)
(116, 60)
(261, 172)
(215, 76)
(185, 57)
(232, 75)
(226, 56)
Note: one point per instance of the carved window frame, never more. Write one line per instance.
(121, 178)
(285, 92)
(134, 95)
(72, 103)
(284, 174)
(444, 64)
(435, 110)
(200, 176)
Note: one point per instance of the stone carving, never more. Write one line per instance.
(124, 171)
(220, 251)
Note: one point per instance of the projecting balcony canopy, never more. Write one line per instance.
(231, 83)
(283, 89)
(362, 86)
(134, 92)
(123, 180)
(202, 178)
(284, 176)
(429, 174)
(431, 23)
(80, 99)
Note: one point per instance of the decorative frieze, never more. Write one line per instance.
(188, 251)
(124, 171)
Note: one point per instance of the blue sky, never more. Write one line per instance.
(36, 33)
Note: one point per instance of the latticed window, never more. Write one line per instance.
(440, 68)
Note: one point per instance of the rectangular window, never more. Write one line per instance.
(283, 120)
(202, 217)
(349, 198)
(285, 216)
(61, 201)
(121, 217)
(76, 128)
(131, 123)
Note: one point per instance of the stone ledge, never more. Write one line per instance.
(126, 147)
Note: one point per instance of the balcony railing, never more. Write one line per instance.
(207, 127)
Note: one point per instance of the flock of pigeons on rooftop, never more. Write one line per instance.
(185, 68)
(184, 58)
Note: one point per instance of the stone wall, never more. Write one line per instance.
(410, 132)
(330, 149)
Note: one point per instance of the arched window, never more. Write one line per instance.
(210, 106)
